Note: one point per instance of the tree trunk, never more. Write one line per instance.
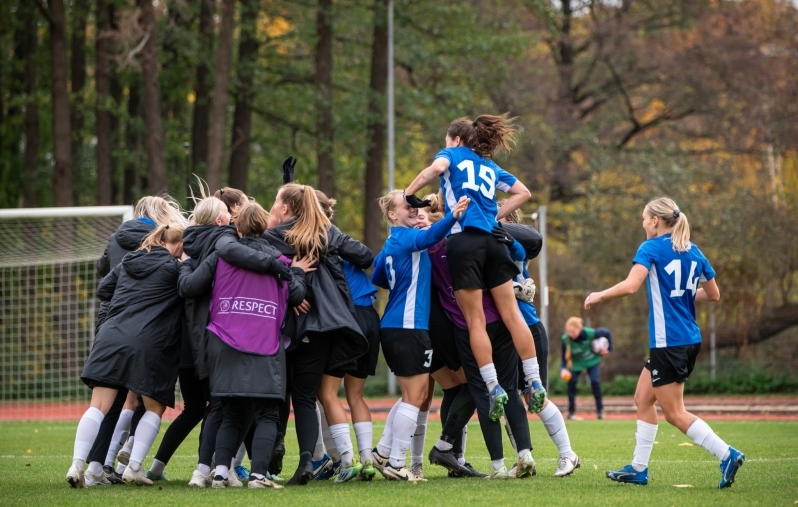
(79, 14)
(324, 117)
(117, 97)
(31, 111)
(242, 119)
(62, 132)
(153, 140)
(375, 126)
(219, 109)
(133, 142)
(102, 111)
(202, 91)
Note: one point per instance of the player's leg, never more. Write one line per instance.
(414, 394)
(361, 421)
(572, 384)
(338, 423)
(420, 435)
(594, 372)
(266, 425)
(147, 431)
(637, 471)
(102, 457)
(89, 426)
(237, 416)
(134, 404)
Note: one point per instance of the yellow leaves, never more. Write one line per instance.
(657, 108)
(191, 97)
(274, 27)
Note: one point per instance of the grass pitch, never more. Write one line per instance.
(34, 457)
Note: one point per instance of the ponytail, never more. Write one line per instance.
(491, 133)
(231, 197)
(308, 235)
(666, 210)
(163, 234)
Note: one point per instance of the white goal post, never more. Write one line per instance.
(48, 281)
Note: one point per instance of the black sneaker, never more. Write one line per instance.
(471, 471)
(447, 460)
(276, 461)
(304, 472)
(112, 476)
(600, 414)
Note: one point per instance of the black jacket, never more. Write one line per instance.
(199, 242)
(138, 345)
(331, 307)
(128, 237)
(236, 373)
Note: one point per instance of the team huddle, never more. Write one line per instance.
(257, 313)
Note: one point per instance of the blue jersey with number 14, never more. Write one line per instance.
(673, 279)
(477, 178)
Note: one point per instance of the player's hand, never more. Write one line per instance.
(461, 206)
(565, 374)
(288, 169)
(304, 307)
(501, 235)
(604, 352)
(593, 298)
(415, 202)
(305, 264)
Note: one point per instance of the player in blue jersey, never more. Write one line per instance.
(403, 267)
(674, 267)
(476, 260)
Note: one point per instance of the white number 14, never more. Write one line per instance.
(675, 268)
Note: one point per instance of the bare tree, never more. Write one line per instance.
(102, 110)
(153, 140)
(30, 43)
(375, 126)
(242, 118)
(202, 92)
(324, 115)
(221, 85)
(79, 13)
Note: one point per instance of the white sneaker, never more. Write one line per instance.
(379, 462)
(418, 470)
(200, 480)
(262, 483)
(512, 471)
(75, 477)
(499, 474)
(220, 483)
(566, 466)
(137, 477)
(233, 481)
(123, 456)
(401, 474)
(95, 480)
(525, 467)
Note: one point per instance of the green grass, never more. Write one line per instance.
(34, 457)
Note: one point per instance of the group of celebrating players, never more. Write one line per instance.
(256, 312)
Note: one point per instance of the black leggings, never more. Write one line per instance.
(451, 411)
(194, 401)
(210, 428)
(505, 359)
(258, 416)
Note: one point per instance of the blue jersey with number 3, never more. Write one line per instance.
(475, 177)
(673, 279)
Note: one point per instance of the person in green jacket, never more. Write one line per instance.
(579, 353)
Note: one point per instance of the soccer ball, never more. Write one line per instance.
(600, 344)
(525, 291)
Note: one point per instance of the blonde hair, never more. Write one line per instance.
(327, 204)
(386, 203)
(666, 210)
(515, 217)
(161, 209)
(308, 235)
(207, 211)
(163, 234)
(232, 197)
(573, 322)
(435, 209)
(252, 221)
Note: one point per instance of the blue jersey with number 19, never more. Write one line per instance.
(673, 279)
(477, 178)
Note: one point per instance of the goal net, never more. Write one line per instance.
(48, 305)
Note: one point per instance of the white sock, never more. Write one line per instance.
(204, 469)
(404, 425)
(386, 440)
(238, 459)
(128, 446)
(531, 369)
(498, 464)
(329, 441)
(703, 435)
(343, 442)
(121, 432)
(510, 434)
(461, 459)
(95, 467)
(157, 467)
(120, 468)
(552, 419)
(364, 433)
(417, 445)
(88, 428)
(442, 445)
(465, 440)
(223, 471)
(318, 452)
(489, 376)
(146, 432)
(522, 452)
(644, 443)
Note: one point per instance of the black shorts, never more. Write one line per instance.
(369, 321)
(408, 352)
(478, 261)
(441, 334)
(672, 364)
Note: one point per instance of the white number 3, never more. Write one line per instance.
(675, 269)
(429, 358)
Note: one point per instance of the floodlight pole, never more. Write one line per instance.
(391, 145)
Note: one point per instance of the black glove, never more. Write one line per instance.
(288, 169)
(280, 270)
(501, 235)
(415, 202)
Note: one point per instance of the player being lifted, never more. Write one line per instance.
(476, 259)
(674, 268)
